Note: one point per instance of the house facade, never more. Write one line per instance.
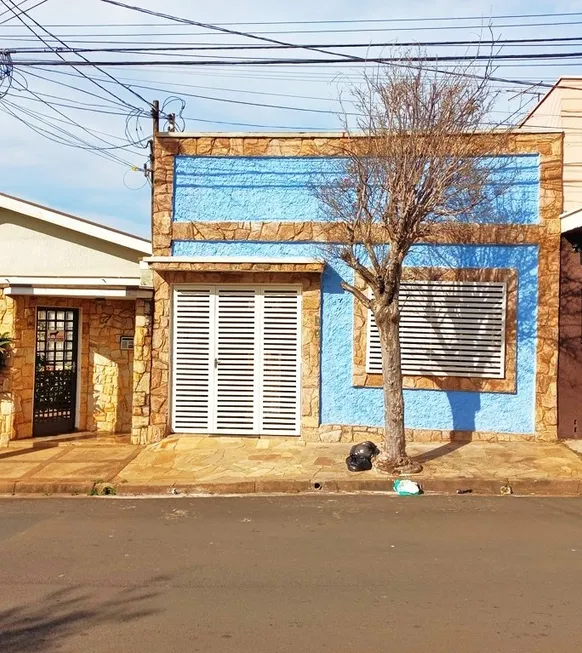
(250, 331)
(69, 290)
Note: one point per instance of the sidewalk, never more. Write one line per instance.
(220, 465)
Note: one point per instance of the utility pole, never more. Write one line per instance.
(155, 130)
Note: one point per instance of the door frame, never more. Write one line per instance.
(172, 367)
(78, 385)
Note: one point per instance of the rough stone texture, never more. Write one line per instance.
(546, 234)
(142, 365)
(348, 433)
(551, 203)
(105, 370)
(326, 232)
(507, 384)
(7, 405)
(238, 267)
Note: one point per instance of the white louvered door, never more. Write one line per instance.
(236, 361)
(280, 361)
(192, 359)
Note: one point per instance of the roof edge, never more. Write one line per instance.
(75, 223)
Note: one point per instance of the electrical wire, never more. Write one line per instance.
(340, 21)
(19, 16)
(50, 136)
(7, 20)
(267, 40)
(303, 61)
(363, 30)
(564, 41)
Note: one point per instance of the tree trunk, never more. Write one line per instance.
(393, 457)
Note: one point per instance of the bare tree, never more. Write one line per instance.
(412, 168)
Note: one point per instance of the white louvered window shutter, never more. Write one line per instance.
(193, 310)
(448, 329)
(281, 350)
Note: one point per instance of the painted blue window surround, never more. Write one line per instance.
(242, 189)
(341, 403)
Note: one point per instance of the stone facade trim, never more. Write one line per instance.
(471, 234)
(316, 267)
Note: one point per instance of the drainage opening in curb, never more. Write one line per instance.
(317, 486)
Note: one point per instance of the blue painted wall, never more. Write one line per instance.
(239, 189)
(341, 403)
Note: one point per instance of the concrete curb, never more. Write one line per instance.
(531, 487)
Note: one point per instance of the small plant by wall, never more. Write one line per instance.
(5, 344)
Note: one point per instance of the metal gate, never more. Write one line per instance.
(55, 386)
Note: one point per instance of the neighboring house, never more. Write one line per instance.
(68, 295)
(253, 334)
(561, 109)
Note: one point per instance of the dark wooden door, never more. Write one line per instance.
(55, 387)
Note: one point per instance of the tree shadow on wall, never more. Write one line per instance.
(47, 624)
(520, 332)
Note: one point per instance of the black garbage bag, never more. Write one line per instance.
(360, 458)
(358, 463)
(364, 450)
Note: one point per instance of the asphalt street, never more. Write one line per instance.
(298, 573)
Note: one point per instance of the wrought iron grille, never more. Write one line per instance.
(56, 370)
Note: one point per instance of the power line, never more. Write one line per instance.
(7, 20)
(19, 16)
(76, 88)
(479, 26)
(268, 40)
(302, 61)
(336, 21)
(238, 102)
(64, 115)
(57, 139)
(566, 41)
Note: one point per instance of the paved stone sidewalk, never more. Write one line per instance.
(245, 465)
(255, 465)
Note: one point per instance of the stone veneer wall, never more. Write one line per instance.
(546, 235)
(152, 426)
(7, 405)
(105, 370)
(141, 430)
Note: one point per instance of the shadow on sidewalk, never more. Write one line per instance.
(439, 452)
(21, 451)
(65, 613)
(17, 448)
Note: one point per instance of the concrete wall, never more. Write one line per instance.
(33, 247)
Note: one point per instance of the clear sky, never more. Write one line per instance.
(83, 182)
